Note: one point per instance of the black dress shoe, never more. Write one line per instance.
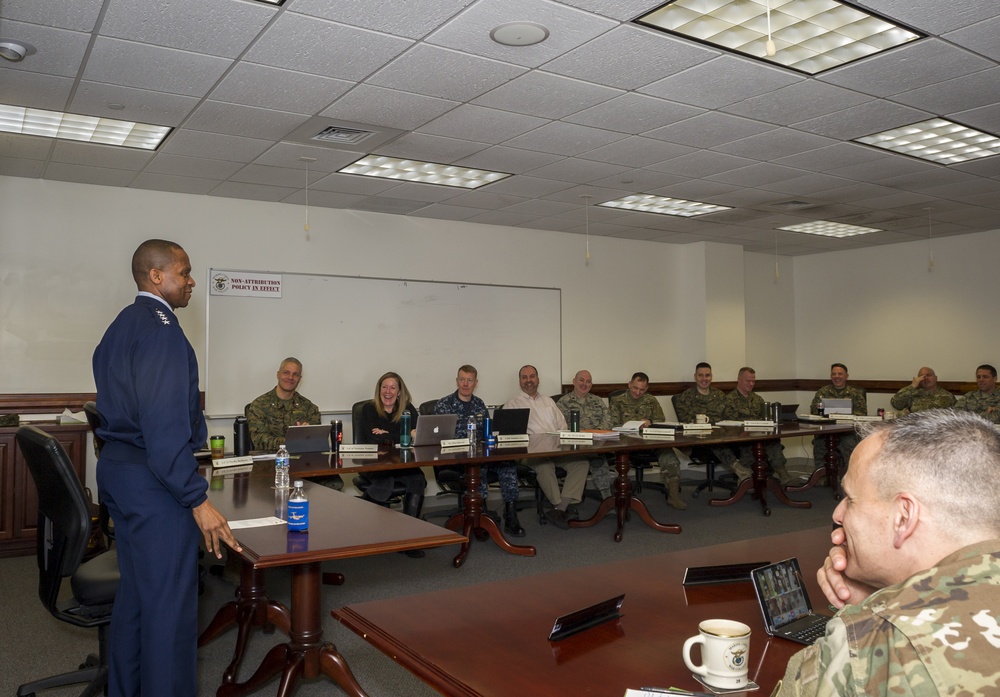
(511, 525)
(557, 518)
(414, 553)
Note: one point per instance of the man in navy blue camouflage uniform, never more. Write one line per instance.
(151, 422)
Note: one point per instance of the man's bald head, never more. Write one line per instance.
(152, 254)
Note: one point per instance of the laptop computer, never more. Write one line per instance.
(837, 406)
(433, 428)
(785, 604)
(307, 439)
(789, 412)
(510, 422)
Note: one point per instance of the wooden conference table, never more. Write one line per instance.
(500, 648)
(340, 526)
(472, 523)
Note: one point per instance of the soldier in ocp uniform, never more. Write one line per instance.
(270, 415)
(916, 565)
(839, 389)
(922, 393)
(985, 401)
(743, 404)
(593, 414)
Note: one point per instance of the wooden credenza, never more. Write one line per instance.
(18, 498)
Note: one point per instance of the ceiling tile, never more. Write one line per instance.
(27, 147)
(213, 145)
(527, 186)
(93, 98)
(933, 15)
(348, 53)
(709, 129)
(416, 191)
(499, 158)
(236, 119)
(84, 174)
(446, 212)
(354, 184)
(59, 51)
(395, 206)
(324, 159)
(388, 108)
(323, 199)
(546, 95)
(562, 138)
(803, 100)
(633, 113)
(481, 124)
(174, 183)
(985, 118)
(890, 73)
(431, 70)
(579, 171)
(637, 151)
(215, 27)
(980, 37)
(952, 96)
(153, 68)
(96, 155)
(862, 120)
(702, 163)
(292, 177)
(254, 192)
(639, 180)
(774, 144)
(470, 31)
(410, 19)
(79, 15)
(721, 81)
(35, 90)
(417, 146)
(20, 167)
(192, 167)
(629, 57)
(274, 88)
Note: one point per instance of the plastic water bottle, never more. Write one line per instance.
(298, 509)
(281, 464)
(471, 428)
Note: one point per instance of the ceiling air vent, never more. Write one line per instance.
(343, 135)
(323, 132)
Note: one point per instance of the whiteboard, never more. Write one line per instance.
(349, 330)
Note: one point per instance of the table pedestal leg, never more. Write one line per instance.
(830, 468)
(623, 502)
(250, 609)
(305, 655)
(472, 521)
(761, 483)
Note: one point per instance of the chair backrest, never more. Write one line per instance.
(356, 418)
(614, 393)
(63, 512)
(673, 401)
(427, 408)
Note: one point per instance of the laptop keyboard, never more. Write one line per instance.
(811, 633)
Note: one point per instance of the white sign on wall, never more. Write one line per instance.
(244, 284)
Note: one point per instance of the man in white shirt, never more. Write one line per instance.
(545, 417)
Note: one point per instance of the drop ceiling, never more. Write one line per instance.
(603, 108)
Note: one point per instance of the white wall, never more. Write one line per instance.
(885, 314)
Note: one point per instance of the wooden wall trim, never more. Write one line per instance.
(50, 402)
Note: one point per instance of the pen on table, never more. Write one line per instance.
(676, 691)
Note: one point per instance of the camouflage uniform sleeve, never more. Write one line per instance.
(657, 414)
(312, 415)
(859, 402)
(823, 669)
(814, 405)
(944, 398)
(904, 398)
(683, 407)
(615, 408)
(257, 421)
(564, 406)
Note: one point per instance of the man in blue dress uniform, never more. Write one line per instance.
(151, 422)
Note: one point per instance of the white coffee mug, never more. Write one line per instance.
(725, 653)
(701, 418)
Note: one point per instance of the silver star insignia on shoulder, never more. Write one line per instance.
(163, 317)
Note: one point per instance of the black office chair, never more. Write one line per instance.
(361, 481)
(64, 528)
(640, 460)
(703, 455)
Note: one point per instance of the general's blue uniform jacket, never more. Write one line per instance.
(144, 352)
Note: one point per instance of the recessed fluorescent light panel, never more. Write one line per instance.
(937, 140)
(828, 229)
(424, 172)
(662, 205)
(809, 35)
(88, 129)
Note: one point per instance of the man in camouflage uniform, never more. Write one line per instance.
(593, 414)
(916, 566)
(839, 389)
(635, 405)
(744, 404)
(922, 394)
(270, 415)
(707, 400)
(986, 400)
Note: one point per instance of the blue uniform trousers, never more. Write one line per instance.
(157, 541)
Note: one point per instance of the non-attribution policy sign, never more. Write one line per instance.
(245, 284)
